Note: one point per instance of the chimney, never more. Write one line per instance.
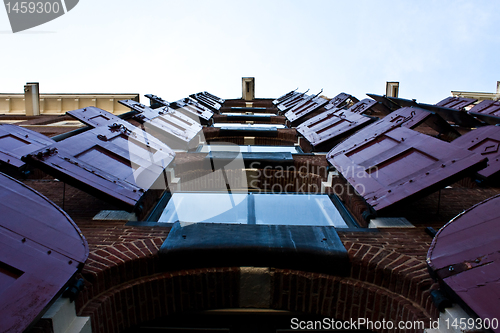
(248, 88)
(392, 89)
(32, 99)
(498, 87)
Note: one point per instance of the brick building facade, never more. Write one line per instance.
(130, 287)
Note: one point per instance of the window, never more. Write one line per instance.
(248, 208)
(249, 149)
(247, 126)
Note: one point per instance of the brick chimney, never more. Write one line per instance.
(32, 99)
(248, 88)
(392, 89)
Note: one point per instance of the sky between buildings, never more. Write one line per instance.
(175, 48)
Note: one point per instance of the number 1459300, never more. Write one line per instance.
(23, 7)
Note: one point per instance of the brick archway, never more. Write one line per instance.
(127, 284)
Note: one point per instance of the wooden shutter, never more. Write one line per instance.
(16, 141)
(484, 141)
(42, 249)
(388, 163)
(115, 162)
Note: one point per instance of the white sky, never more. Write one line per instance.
(175, 48)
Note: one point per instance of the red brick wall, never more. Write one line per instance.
(342, 298)
(161, 294)
(127, 284)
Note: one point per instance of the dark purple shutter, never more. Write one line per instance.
(41, 249)
(192, 108)
(487, 111)
(16, 141)
(212, 102)
(305, 107)
(331, 125)
(456, 102)
(339, 100)
(484, 141)
(293, 101)
(465, 257)
(388, 163)
(93, 116)
(285, 97)
(118, 162)
(166, 123)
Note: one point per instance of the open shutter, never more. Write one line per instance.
(362, 106)
(286, 97)
(305, 107)
(156, 101)
(94, 117)
(189, 106)
(485, 141)
(16, 141)
(192, 108)
(487, 111)
(340, 100)
(42, 249)
(456, 102)
(293, 101)
(214, 98)
(459, 117)
(116, 162)
(332, 125)
(465, 257)
(168, 125)
(388, 164)
(407, 117)
(212, 102)
(491, 108)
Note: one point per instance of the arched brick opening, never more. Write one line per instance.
(132, 286)
(343, 298)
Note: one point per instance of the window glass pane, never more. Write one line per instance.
(256, 115)
(273, 209)
(245, 126)
(247, 149)
(297, 210)
(218, 147)
(206, 207)
(272, 149)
